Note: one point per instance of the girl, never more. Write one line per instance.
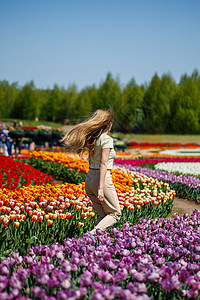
(92, 135)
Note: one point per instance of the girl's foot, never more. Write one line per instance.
(92, 236)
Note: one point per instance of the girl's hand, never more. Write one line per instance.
(100, 195)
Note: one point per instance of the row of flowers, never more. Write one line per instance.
(156, 259)
(68, 160)
(60, 166)
(134, 144)
(27, 211)
(14, 174)
(188, 168)
(185, 186)
(153, 160)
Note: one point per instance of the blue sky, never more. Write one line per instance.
(80, 41)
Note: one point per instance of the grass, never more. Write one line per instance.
(32, 123)
(159, 138)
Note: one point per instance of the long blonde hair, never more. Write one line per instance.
(82, 137)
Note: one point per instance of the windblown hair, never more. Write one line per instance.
(82, 137)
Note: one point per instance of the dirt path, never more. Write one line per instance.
(184, 206)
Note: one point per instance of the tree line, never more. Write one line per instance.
(162, 106)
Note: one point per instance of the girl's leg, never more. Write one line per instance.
(110, 205)
(109, 209)
(91, 186)
(97, 207)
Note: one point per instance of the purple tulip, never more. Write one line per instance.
(105, 276)
(65, 284)
(153, 277)
(86, 279)
(23, 274)
(15, 283)
(97, 296)
(52, 282)
(5, 296)
(43, 279)
(3, 285)
(192, 293)
(4, 270)
(16, 293)
(38, 292)
(167, 284)
(159, 261)
(74, 268)
(62, 295)
(139, 277)
(96, 285)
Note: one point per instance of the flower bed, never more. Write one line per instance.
(185, 186)
(147, 145)
(43, 214)
(14, 174)
(156, 259)
(61, 166)
(188, 168)
(181, 152)
(152, 160)
(68, 160)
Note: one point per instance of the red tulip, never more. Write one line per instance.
(11, 203)
(34, 218)
(49, 222)
(5, 221)
(16, 224)
(8, 210)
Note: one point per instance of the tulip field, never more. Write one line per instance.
(46, 252)
(176, 171)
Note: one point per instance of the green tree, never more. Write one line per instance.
(156, 104)
(131, 108)
(26, 103)
(8, 95)
(185, 116)
(53, 104)
(109, 94)
(72, 95)
(82, 105)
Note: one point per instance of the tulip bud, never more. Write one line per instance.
(16, 224)
(34, 218)
(49, 222)
(8, 210)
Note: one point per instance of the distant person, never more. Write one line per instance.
(15, 124)
(17, 145)
(2, 125)
(1, 136)
(20, 124)
(92, 135)
(3, 140)
(9, 141)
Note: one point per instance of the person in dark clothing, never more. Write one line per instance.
(9, 141)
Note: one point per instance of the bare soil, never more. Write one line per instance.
(184, 206)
